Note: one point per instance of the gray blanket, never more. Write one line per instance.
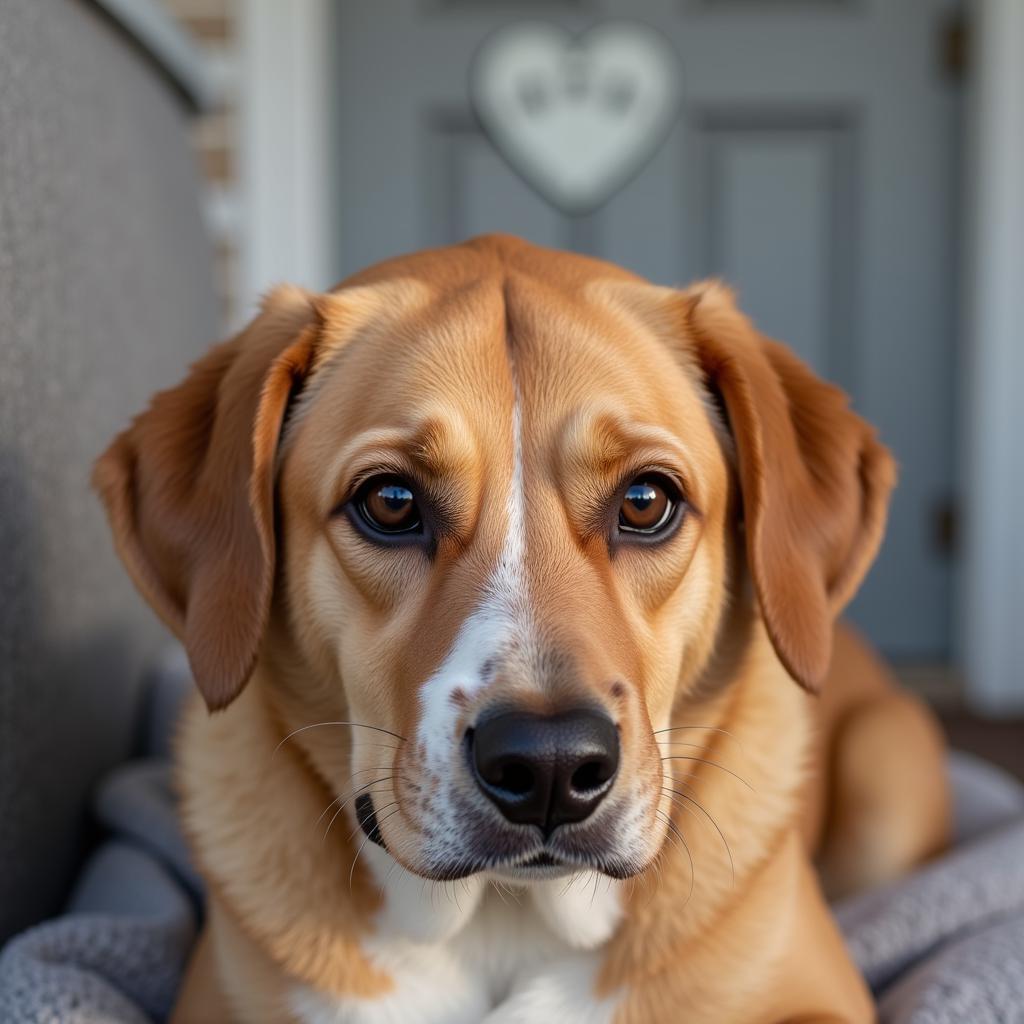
(944, 945)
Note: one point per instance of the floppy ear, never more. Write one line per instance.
(815, 480)
(189, 492)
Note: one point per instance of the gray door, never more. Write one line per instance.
(812, 165)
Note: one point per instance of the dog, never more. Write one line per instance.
(510, 585)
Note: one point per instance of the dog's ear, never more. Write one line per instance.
(815, 481)
(189, 491)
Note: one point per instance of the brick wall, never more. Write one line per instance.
(213, 25)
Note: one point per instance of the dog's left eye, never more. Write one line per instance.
(388, 505)
(648, 506)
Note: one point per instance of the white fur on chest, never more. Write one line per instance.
(463, 953)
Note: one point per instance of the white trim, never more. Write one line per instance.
(285, 146)
(221, 212)
(992, 595)
(153, 28)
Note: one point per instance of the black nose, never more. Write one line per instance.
(545, 770)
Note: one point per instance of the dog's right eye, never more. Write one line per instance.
(387, 505)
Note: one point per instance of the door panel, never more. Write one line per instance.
(812, 165)
(777, 222)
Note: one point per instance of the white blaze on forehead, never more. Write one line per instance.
(501, 615)
(514, 553)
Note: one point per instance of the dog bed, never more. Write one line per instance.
(944, 945)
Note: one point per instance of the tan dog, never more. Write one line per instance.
(497, 566)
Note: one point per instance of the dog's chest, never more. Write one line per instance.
(507, 964)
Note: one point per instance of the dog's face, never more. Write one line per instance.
(503, 521)
(485, 503)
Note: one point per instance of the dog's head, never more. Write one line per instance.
(489, 504)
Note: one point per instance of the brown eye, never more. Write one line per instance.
(388, 505)
(647, 506)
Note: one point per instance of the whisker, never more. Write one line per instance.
(705, 728)
(334, 818)
(656, 884)
(513, 893)
(354, 725)
(380, 745)
(348, 796)
(375, 768)
(359, 821)
(676, 793)
(568, 885)
(671, 839)
(672, 825)
(713, 764)
(352, 870)
(387, 877)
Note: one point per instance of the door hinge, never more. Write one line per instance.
(945, 526)
(954, 46)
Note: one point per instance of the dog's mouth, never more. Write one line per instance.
(542, 860)
(366, 815)
(541, 864)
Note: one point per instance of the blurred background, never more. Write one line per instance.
(823, 156)
(853, 167)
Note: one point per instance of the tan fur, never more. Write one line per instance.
(223, 498)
